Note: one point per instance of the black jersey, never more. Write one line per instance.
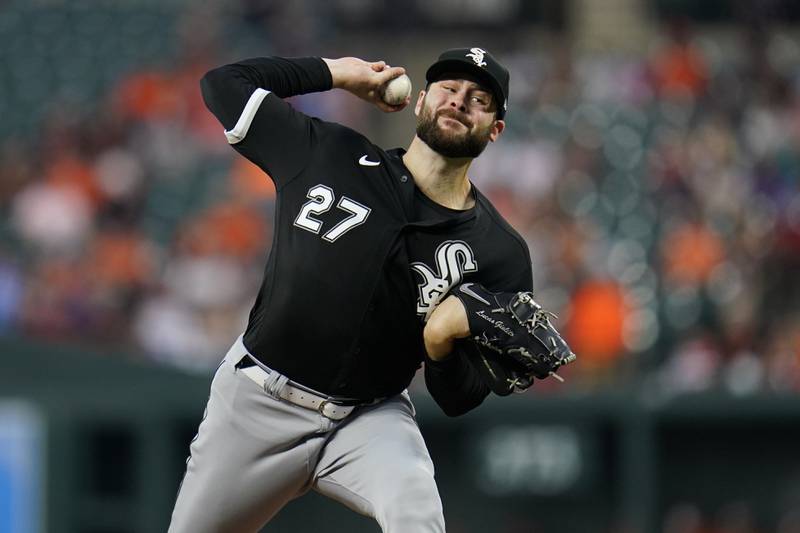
(359, 256)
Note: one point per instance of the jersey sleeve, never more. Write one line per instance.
(247, 99)
(523, 278)
(454, 384)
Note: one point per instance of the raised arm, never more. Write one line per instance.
(247, 99)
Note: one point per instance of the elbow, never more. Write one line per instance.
(209, 85)
(455, 409)
(219, 81)
(222, 95)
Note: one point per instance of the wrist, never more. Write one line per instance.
(447, 323)
(335, 68)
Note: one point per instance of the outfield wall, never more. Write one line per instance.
(93, 444)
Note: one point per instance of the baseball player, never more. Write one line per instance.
(358, 293)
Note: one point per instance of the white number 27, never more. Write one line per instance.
(321, 199)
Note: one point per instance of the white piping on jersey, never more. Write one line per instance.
(237, 134)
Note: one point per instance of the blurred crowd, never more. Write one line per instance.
(659, 194)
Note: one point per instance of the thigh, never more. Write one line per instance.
(250, 457)
(377, 464)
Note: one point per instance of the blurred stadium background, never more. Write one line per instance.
(651, 161)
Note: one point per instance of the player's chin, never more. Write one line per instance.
(454, 138)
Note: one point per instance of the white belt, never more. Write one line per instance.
(301, 397)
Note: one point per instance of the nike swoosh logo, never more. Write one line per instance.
(364, 162)
(467, 290)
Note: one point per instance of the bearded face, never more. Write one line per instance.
(454, 142)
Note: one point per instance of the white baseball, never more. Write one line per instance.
(397, 90)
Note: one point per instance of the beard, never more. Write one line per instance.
(449, 143)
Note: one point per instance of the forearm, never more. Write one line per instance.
(283, 76)
(454, 384)
(227, 89)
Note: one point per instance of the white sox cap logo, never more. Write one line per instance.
(453, 259)
(476, 54)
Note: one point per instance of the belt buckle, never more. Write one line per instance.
(321, 407)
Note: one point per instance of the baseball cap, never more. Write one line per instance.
(481, 64)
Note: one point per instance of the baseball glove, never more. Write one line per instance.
(512, 337)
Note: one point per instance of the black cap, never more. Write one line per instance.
(478, 62)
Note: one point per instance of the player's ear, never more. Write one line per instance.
(497, 128)
(420, 100)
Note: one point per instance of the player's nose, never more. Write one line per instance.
(458, 101)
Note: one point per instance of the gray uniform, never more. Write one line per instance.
(254, 452)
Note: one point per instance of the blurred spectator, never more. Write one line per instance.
(11, 291)
(52, 217)
(56, 303)
(693, 366)
(691, 251)
(249, 182)
(680, 68)
(598, 312)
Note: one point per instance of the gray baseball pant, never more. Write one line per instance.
(254, 453)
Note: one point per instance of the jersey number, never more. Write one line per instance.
(321, 199)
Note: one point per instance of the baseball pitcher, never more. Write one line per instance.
(382, 261)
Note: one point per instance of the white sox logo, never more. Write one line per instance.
(476, 54)
(453, 260)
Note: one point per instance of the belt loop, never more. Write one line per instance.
(274, 383)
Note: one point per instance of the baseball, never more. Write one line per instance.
(397, 90)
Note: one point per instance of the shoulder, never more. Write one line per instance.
(339, 133)
(513, 268)
(501, 224)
